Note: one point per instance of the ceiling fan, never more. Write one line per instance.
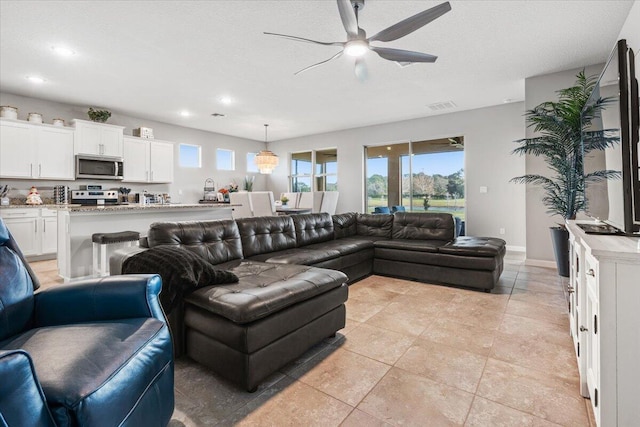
(358, 43)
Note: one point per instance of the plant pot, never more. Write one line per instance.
(560, 240)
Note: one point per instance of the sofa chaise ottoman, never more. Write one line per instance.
(247, 330)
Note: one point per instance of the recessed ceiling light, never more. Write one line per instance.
(185, 113)
(35, 79)
(62, 51)
(388, 148)
(226, 100)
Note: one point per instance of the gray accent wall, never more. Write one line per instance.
(488, 135)
(537, 90)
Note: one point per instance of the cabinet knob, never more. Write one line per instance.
(591, 273)
(583, 329)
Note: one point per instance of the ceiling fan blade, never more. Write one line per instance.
(411, 24)
(402, 56)
(319, 63)
(348, 16)
(362, 73)
(301, 39)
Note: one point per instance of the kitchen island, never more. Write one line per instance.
(76, 224)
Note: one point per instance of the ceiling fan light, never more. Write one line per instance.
(356, 48)
(266, 161)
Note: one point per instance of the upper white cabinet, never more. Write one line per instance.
(147, 160)
(98, 139)
(36, 151)
(161, 156)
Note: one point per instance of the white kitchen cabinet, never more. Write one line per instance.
(35, 151)
(98, 139)
(608, 323)
(147, 160)
(161, 160)
(136, 160)
(35, 229)
(55, 153)
(49, 235)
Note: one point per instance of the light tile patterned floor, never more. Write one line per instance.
(413, 354)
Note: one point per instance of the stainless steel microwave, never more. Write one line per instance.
(99, 167)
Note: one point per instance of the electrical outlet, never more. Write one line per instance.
(502, 231)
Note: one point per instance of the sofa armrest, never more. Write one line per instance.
(117, 259)
(109, 298)
(22, 402)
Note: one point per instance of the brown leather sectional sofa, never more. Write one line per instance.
(293, 273)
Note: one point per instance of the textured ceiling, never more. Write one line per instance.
(153, 59)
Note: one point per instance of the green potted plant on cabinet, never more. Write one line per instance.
(559, 127)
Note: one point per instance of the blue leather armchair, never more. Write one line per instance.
(101, 350)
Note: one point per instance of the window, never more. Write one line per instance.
(319, 167)
(225, 159)
(421, 176)
(251, 162)
(327, 170)
(301, 172)
(190, 156)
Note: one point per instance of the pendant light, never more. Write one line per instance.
(265, 160)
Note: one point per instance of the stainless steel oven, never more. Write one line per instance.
(99, 167)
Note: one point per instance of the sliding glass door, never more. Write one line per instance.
(419, 176)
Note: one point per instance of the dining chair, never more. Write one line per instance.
(262, 203)
(242, 199)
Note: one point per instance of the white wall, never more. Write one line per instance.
(537, 90)
(189, 182)
(488, 135)
(631, 31)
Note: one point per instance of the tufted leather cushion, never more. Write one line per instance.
(302, 256)
(215, 241)
(344, 246)
(313, 228)
(423, 226)
(411, 245)
(475, 246)
(265, 288)
(345, 225)
(16, 294)
(266, 234)
(374, 225)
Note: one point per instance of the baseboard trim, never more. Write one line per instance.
(540, 263)
(511, 248)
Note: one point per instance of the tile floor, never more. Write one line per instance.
(413, 354)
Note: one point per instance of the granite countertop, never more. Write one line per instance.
(44, 205)
(136, 207)
(80, 208)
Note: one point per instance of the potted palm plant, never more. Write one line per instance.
(559, 127)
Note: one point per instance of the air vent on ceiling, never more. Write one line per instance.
(441, 106)
(217, 115)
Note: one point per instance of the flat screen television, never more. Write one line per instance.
(615, 199)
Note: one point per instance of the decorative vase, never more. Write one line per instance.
(560, 240)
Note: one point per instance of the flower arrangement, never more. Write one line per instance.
(233, 187)
(284, 200)
(223, 190)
